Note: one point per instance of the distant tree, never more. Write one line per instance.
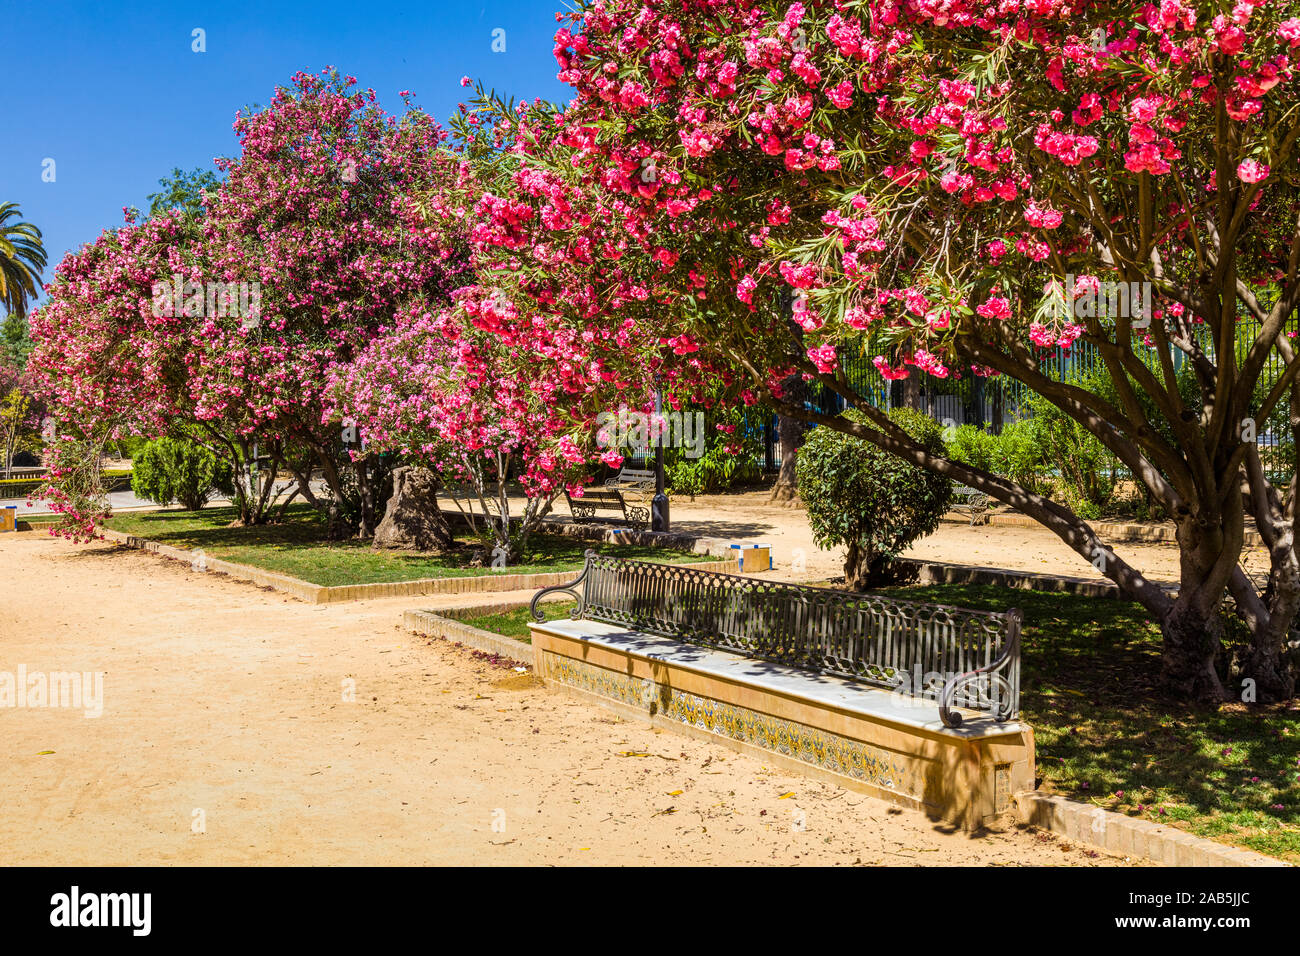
(184, 191)
(15, 342)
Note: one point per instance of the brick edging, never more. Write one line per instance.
(321, 594)
(1130, 836)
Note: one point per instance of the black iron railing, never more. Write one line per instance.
(954, 656)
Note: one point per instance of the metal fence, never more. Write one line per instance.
(990, 403)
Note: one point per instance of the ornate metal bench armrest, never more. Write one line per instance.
(1010, 653)
(568, 588)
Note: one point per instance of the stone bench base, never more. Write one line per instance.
(867, 739)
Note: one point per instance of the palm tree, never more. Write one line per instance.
(22, 258)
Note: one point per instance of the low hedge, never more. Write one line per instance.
(115, 479)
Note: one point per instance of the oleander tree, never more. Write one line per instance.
(322, 217)
(932, 180)
(436, 391)
(323, 209)
(21, 412)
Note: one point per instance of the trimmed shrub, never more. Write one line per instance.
(168, 470)
(973, 446)
(872, 502)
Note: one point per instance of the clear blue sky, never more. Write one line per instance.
(113, 93)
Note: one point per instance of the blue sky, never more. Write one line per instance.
(114, 94)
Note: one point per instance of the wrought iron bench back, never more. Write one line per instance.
(950, 655)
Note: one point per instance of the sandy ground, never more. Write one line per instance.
(224, 712)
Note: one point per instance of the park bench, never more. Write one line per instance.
(973, 502)
(911, 702)
(596, 500)
(865, 638)
(637, 486)
(638, 480)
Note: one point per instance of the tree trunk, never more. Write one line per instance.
(857, 567)
(1193, 630)
(413, 519)
(1193, 634)
(366, 491)
(337, 528)
(790, 432)
(912, 391)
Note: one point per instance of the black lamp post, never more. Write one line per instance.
(659, 503)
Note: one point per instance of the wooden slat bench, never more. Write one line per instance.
(639, 480)
(911, 700)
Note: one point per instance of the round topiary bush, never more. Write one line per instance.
(176, 469)
(872, 502)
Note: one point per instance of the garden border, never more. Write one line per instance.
(332, 594)
(443, 623)
(1122, 835)
(1119, 531)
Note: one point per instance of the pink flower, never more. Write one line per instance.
(996, 307)
(841, 95)
(928, 362)
(1043, 218)
(1251, 171)
(856, 318)
(745, 290)
(890, 374)
(823, 356)
(465, 81)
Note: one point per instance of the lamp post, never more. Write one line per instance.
(659, 503)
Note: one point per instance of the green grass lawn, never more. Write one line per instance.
(1105, 732)
(515, 623)
(298, 547)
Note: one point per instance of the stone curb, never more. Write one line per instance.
(432, 624)
(320, 594)
(936, 572)
(1130, 836)
(1115, 531)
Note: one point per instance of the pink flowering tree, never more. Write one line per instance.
(226, 323)
(951, 186)
(322, 209)
(438, 392)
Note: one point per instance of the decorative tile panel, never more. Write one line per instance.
(808, 744)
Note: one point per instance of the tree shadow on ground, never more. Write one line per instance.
(1107, 732)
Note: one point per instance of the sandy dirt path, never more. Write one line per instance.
(223, 698)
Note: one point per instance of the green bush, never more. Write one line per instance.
(168, 470)
(1087, 473)
(1018, 455)
(872, 502)
(973, 446)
